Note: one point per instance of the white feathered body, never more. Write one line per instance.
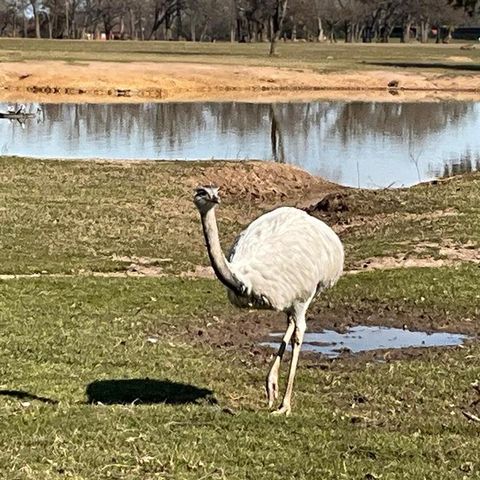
(283, 258)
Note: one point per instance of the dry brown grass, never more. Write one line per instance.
(85, 71)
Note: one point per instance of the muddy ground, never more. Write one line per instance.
(246, 329)
(56, 81)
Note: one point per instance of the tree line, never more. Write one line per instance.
(237, 20)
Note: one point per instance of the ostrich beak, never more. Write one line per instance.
(215, 197)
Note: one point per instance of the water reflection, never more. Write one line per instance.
(358, 144)
(364, 338)
(409, 121)
(467, 163)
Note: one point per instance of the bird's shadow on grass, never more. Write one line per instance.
(146, 391)
(21, 395)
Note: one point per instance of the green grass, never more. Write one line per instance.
(59, 336)
(321, 57)
(64, 216)
(401, 219)
(448, 294)
(63, 340)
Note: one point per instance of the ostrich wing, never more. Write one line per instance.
(286, 256)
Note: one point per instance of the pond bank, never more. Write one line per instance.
(57, 81)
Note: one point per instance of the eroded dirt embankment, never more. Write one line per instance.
(143, 81)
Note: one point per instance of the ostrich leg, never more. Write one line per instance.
(299, 331)
(272, 378)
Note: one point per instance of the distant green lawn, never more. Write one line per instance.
(321, 57)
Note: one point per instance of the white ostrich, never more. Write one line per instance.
(281, 261)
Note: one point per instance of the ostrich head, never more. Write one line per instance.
(206, 198)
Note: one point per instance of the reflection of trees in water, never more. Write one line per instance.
(172, 123)
(176, 121)
(466, 163)
(405, 120)
(175, 124)
(303, 127)
(276, 137)
(309, 127)
(146, 121)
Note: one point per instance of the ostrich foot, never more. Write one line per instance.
(272, 389)
(283, 410)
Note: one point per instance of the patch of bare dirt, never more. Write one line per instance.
(389, 263)
(86, 273)
(460, 59)
(147, 81)
(200, 272)
(373, 221)
(449, 254)
(465, 253)
(144, 266)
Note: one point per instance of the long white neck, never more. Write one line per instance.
(219, 263)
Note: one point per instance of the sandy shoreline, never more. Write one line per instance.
(54, 81)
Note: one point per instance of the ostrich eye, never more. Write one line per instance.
(201, 192)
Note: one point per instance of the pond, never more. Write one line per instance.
(361, 144)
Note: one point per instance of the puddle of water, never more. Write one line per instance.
(362, 339)
(361, 144)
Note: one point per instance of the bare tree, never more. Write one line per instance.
(35, 5)
(164, 12)
(240, 20)
(276, 21)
